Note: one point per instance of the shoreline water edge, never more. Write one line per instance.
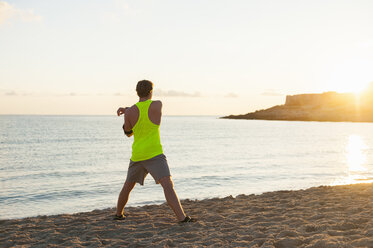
(324, 216)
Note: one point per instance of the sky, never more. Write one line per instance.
(205, 57)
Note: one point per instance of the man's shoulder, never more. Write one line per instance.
(156, 104)
(132, 110)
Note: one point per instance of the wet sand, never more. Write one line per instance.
(325, 216)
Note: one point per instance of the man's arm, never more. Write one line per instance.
(121, 111)
(127, 126)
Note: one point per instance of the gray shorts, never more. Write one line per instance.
(156, 166)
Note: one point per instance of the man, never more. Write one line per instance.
(142, 120)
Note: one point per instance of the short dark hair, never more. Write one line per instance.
(144, 87)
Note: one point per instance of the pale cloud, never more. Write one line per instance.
(111, 17)
(116, 15)
(271, 92)
(364, 44)
(158, 93)
(72, 94)
(10, 93)
(9, 13)
(231, 95)
(173, 93)
(40, 94)
(164, 93)
(122, 4)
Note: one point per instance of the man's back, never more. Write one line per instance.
(154, 114)
(144, 119)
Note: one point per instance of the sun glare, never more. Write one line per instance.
(351, 75)
(356, 160)
(356, 88)
(355, 153)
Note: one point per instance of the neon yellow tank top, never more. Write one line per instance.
(147, 141)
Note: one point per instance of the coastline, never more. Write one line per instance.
(327, 106)
(324, 216)
(294, 120)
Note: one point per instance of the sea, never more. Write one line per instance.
(67, 164)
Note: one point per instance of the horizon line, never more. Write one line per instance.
(89, 115)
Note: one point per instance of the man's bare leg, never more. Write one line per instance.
(171, 197)
(123, 196)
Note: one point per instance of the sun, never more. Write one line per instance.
(353, 76)
(356, 88)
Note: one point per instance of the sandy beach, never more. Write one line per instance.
(325, 216)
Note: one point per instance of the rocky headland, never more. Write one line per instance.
(328, 106)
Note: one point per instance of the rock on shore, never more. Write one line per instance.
(329, 106)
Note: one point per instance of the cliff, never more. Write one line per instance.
(328, 106)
